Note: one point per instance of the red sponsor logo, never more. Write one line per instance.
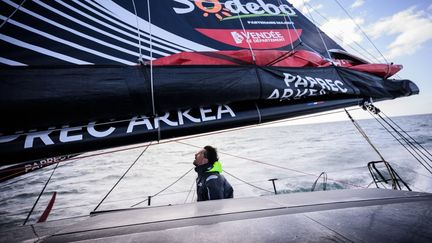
(256, 38)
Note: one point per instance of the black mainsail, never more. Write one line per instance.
(79, 76)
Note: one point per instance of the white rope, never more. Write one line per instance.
(151, 58)
(358, 26)
(259, 113)
(319, 33)
(341, 33)
(247, 38)
(138, 32)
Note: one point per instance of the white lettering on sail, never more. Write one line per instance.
(6, 139)
(92, 131)
(185, 114)
(64, 137)
(300, 87)
(220, 111)
(165, 119)
(188, 8)
(42, 135)
(236, 7)
(133, 122)
(274, 95)
(174, 119)
(203, 114)
(339, 84)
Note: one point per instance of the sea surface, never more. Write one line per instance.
(293, 154)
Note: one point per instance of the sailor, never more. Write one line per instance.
(211, 184)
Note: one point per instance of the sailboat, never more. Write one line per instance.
(88, 75)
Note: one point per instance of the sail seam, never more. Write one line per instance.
(42, 50)
(168, 46)
(77, 21)
(69, 43)
(65, 28)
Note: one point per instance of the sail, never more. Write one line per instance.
(85, 75)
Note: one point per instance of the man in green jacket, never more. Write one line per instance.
(211, 184)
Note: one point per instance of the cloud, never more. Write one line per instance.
(412, 29)
(357, 3)
(298, 3)
(304, 7)
(343, 28)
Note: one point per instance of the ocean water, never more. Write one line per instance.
(294, 154)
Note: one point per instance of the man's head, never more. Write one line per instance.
(206, 155)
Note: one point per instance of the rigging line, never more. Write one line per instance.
(406, 133)
(406, 147)
(138, 33)
(40, 194)
(151, 57)
(124, 174)
(319, 33)
(247, 38)
(287, 27)
(341, 33)
(273, 165)
(210, 133)
(12, 14)
(259, 113)
(387, 165)
(154, 195)
(198, 136)
(410, 144)
(293, 25)
(247, 182)
(363, 133)
(190, 190)
(358, 26)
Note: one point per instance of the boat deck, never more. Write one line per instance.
(331, 216)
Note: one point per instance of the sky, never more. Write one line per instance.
(400, 30)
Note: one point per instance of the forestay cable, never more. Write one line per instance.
(248, 40)
(407, 135)
(319, 32)
(358, 26)
(154, 195)
(273, 165)
(250, 184)
(341, 33)
(124, 174)
(387, 165)
(409, 143)
(40, 194)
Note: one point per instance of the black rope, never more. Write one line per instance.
(154, 195)
(409, 136)
(124, 174)
(403, 145)
(412, 145)
(363, 133)
(190, 190)
(248, 182)
(40, 194)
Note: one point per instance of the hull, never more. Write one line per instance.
(369, 215)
